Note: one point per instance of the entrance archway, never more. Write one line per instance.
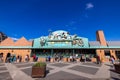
(1, 57)
(8, 57)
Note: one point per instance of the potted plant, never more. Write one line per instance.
(39, 69)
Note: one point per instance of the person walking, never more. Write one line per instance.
(112, 59)
(20, 59)
(26, 58)
(98, 59)
(1, 57)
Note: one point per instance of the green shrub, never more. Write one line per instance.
(39, 64)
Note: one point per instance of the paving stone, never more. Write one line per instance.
(48, 68)
(61, 75)
(25, 65)
(3, 68)
(114, 75)
(59, 64)
(5, 76)
(2, 64)
(29, 70)
(102, 79)
(92, 64)
(16, 73)
(84, 69)
(20, 63)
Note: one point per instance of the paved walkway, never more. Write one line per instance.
(59, 71)
(66, 69)
(17, 74)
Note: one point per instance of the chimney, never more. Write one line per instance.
(101, 38)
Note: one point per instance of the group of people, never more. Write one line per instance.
(12, 58)
(35, 58)
(73, 57)
(83, 58)
(112, 59)
(58, 57)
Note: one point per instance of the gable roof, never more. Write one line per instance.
(23, 42)
(7, 42)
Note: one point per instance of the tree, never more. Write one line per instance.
(2, 36)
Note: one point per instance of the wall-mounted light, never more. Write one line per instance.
(52, 42)
(66, 42)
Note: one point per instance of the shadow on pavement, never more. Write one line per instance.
(114, 71)
(115, 78)
(47, 71)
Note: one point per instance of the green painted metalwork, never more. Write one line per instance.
(61, 39)
(36, 43)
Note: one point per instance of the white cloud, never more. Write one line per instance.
(89, 5)
(15, 39)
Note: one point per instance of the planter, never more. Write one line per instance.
(117, 67)
(39, 70)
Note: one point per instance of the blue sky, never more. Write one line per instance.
(33, 18)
